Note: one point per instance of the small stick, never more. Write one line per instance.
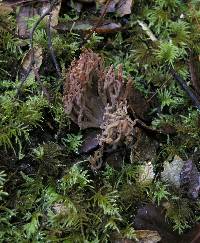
(23, 80)
(187, 89)
(51, 50)
(47, 12)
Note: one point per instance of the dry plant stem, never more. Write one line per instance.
(50, 46)
(47, 12)
(184, 86)
(23, 80)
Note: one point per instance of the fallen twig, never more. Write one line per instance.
(187, 89)
(51, 50)
(47, 12)
(147, 30)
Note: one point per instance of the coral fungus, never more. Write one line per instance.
(117, 126)
(81, 100)
(96, 98)
(88, 89)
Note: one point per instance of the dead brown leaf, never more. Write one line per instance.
(55, 14)
(193, 236)
(90, 141)
(120, 7)
(190, 179)
(152, 217)
(142, 236)
(26, 61)
(124, 7)
(86, 26)
(138, 105)
(5, 9)
(147, 236)
(28, 10)
(21, 2)
(25, 12)
(144, 149)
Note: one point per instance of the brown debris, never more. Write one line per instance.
(86, 26)
(138, 105)
(115, 158)
(121, 7)
(190, 179)
(144, 149)
(152, 217)
(21, 2)
(90, 141)
(142, 236)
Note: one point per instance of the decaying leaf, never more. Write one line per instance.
(115, 158)
(190, 179)
(137, 104)
(20, 2)
(26, 12)
(146, 174)
(90, 141)
(147, 236)
(144, 150)
(152, 217)
(124, 7)
(142, 236)
(5, 9)
(26, 61)
(121, 7)
(86, 26)
(193, 236)
(171, 172)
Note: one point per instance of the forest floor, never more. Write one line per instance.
(99, 121)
